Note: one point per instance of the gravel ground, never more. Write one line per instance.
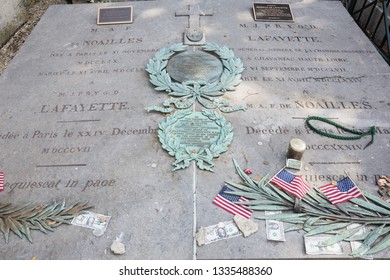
(8, 51)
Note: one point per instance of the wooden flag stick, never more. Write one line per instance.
(365, 198)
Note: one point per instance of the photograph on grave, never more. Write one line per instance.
(120, 124)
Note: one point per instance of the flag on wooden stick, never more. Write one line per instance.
(342, 192)
(227, 201)
(291, 183)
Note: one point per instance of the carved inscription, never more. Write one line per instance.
(290, 56)
(195, 131)
(305, 61)
(90, 184)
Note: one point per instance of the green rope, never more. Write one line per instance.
(358, 134)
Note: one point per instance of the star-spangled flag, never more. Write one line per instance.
(291, 183)
(226, 202)
(1, 181)
(342, 192)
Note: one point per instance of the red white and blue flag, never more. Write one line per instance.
(1, 181)
(342, 192)
(291, 183)
(227, 201)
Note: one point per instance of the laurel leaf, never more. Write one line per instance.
(377, 200)
(27, 231)
(339, 237)
(2, 225)
(326, 228)
(370, 206)
(283, 216)
(380, 246)
(246, 178)
(368, 241)
(293, 228)
(21, 220)
(269, 207)
(240, 187)
(10, 224)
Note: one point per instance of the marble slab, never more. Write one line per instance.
(74, 124)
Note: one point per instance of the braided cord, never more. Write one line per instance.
(357, 134)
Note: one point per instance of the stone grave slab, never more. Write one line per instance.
(74, 124)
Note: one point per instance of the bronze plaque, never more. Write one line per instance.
(195, 130)
(272, 12)
(194, 66)
(115, 15)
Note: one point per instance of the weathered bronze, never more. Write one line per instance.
(272, 12)
(194, 66)
(115, 15)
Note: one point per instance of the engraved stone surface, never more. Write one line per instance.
(73, 124)
(189, 65)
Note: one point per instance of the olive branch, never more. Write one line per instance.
(183, 95)
(43, 217)
(316, 215)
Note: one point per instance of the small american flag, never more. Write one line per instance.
(226, 202)
(291, 183)
(344, 191)
(1, 181)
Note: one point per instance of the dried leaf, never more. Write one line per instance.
(269, 208)
(377, 200)
(245, 194)
(2, 225)
(279, 216)
(27, 232)
(368, 241)
(326, 228)
(258, 202)
(240, 187)
(245, 177)
(341, 236)
(38, 226)
(380, 246)
(10, 224)
(293, 228)
(370, 206)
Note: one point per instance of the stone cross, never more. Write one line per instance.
(194, 34)
(194, 16)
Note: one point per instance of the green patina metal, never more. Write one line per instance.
(21, 220)
(201, 75)
(195, 136)
(208, 94)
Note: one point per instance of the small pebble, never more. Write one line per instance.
(118, 248)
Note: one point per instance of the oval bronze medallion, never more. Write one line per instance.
(194, 66)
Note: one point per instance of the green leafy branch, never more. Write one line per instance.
(22, 219)
(316, 215)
